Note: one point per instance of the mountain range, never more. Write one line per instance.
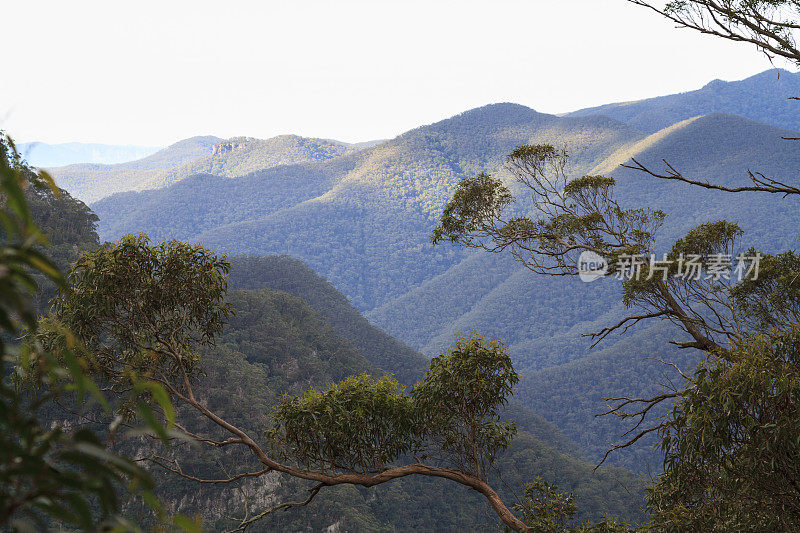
(361, 216)
(198, 155)
(763, 98)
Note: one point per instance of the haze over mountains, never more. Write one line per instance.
(198, 155)
(361, 217)
(90, 182)
(45, 155)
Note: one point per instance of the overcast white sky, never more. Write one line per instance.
(154, 72)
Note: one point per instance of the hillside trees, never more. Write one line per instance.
(731, 446)
(276, 344)
(732, 462)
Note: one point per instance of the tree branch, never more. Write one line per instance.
(247, 522)
(760, 182)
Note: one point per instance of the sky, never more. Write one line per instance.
(152, 73)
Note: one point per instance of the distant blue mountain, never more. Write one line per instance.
(763, 98)
(45, 155)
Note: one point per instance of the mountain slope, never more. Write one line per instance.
(289, 275)
(723, 149)
(292, 276)
(762, 98)
(199, 155)
(204, 202)
(363, 221)
(242, 155)
(544, 319)
(473, 295)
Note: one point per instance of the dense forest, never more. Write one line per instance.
(304, 334)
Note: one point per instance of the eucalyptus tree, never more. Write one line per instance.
(729, 436)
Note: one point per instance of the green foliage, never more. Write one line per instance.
(361, 424)
(142, 309)
(591, 183)
(731, 442)
(276, 344)
(65, 225)
(569, 216)
(773, 298)
(20, 257)
(706, 241)
(459, 400)
(545, 509)
(292, 342)
(475, 200)
(534, 154)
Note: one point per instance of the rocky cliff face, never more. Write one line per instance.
(230, 145)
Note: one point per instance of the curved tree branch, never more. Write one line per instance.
(365, 480)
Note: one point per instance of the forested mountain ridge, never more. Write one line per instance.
(276, 343)
(294, 277)
(350, 217)
(721, 148)
(90, 182)
(543, 319)
(353, 217)
(223, 157)
(764, 97)
(239, 156)
(363, 220)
